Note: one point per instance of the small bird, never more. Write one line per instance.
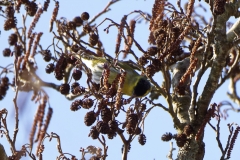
(134, 85)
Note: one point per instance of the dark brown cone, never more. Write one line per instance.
(89, 118)
(106, 114)
(142, 61)
(12, 39)
(130, 130)
(150, 70)
(93, 133)
(78, 21)
(93, 39)
(167, 137)
(49, 68)
(77, 74)
(31, 8)
(142, 139)
(102, 127)
(85, 16)
(6, 52)
(87, 103)
(152, 51)
(10, 23)
(47, 55)
(5, 80)
(113, 125)
(132, 120)
(64, 89)
(76, 105)
(111, 134)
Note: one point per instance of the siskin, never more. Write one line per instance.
(135, 85)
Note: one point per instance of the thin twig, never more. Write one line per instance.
(15, 101)
(218, 134)
(170, 154)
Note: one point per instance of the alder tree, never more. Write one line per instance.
(183, 45)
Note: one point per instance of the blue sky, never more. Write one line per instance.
(70, 126)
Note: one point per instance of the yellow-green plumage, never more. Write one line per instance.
(134, 84)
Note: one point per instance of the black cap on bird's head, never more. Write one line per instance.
(142, 88)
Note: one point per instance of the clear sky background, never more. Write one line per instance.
(69, 125)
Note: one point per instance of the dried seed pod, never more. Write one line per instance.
(75, 105)
(64, 88)
(167, 136)
(106, 114)
(6, 52)
(113, 125)
(3, 89)
(150, 70)
(47, 55)
(5, 81)
(102, 104)
(132, 119)
(50, 68)
(77, 74)
(152, 51)
(75, 48)
(45, 5)
(130, 129)
(93, 39)
(10, 23)
(62, 62)
(87, 103)
(93, 133)
(74, 87)
(142, 139)
(60, 67)
(157, 64)
(59, 75)
(71, 25)
(89, 118)
(142, 61)
(78, 21)
(85, 16)
(9, 11)
(87, 28)
(102, 127)
(111, 134)
(78, 90)
(31, 8)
